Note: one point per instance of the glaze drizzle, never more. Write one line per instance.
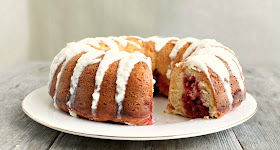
(200, 55)
(89, 58)
(125, 67)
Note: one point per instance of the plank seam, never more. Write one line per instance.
(51, 144)
(238, 139)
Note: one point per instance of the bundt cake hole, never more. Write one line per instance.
(155, 77)
(162, 83)
(192, 98)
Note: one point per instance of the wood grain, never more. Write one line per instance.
(222, 140)
(262, 130)
(18, 131)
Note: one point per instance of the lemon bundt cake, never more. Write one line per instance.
(113, 78)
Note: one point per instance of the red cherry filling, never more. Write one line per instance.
(149, 121)
(191, 98)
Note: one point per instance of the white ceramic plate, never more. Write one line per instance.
(38, 105)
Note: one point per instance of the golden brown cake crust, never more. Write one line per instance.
(62, 92)
(138, 102)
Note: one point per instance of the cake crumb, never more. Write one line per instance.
(17, 145)
(206, 117)
(169, 108)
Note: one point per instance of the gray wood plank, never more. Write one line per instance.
(222, 140)
(262, 131)
(18, 131)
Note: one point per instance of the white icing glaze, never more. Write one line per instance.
(120, 39)
(85, 60)
(71, 50)
(58, 59)
(240, 69)
(124, 69)
(73, 114)
(95, 42)
(175, 50)
(137, 37)
(140, 40)
(130, 124)
(154, 81)
(56, 86)
(110, 57)
(180, 44)
(228, 57)
(202, 62)
(123, 41)
(160, 42)
(55, 105)
(203, 44)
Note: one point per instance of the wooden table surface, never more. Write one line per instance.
(18, 131)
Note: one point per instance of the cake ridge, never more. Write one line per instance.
(68, 53)
(61, 56)
(110, 57)
(123, 41)
(85, 60)
(95, 42)
(160, 42)
(124, 69)
(228, 57)
(179, 44)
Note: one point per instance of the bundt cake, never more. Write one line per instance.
(113, 78)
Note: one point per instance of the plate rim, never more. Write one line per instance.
(142, 138)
